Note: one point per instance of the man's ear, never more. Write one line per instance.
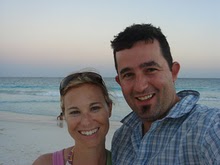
(175, 70)
(117, 79)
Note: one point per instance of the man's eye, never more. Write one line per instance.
(127, 75)
(151, 69)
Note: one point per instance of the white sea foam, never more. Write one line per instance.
(41, 95)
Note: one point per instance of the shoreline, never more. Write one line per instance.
(25, 137)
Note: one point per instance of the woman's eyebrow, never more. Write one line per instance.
(72, 108)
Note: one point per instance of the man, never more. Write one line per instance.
(164, 128)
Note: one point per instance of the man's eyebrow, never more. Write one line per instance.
(149, 64)
(143, 65)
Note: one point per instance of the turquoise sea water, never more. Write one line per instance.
(40, 96)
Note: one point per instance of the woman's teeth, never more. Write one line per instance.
(88, 133)
(145, 97)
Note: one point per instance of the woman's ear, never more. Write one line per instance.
(110, 109)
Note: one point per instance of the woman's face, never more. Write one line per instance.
(87, 115)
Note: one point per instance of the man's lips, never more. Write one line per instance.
(89, 133)
(145, 97)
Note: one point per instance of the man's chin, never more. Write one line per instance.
(148, 118)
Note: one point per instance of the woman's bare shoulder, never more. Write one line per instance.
(45, 159)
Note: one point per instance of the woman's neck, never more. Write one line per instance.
(91, 156)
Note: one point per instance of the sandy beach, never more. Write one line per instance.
(24, 137)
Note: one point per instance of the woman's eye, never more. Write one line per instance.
(95, 108)
(75, 113)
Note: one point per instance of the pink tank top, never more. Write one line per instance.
(58, 158)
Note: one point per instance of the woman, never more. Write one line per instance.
(87, 107)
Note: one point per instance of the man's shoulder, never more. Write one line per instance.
(203, 118)
(206, 111)
(125, 130)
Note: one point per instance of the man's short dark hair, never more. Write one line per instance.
(141, 32)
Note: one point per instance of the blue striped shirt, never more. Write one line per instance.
(189, 134)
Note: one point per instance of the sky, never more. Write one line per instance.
(52, 38)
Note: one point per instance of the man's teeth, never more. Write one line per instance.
(145, 97)
(88, 133)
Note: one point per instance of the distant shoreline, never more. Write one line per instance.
(103, 77)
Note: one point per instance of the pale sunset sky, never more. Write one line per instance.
(52, 38)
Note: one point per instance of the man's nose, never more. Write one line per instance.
(141, 83)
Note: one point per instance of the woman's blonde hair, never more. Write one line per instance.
(79, 78)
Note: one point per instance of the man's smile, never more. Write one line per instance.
(146, 97)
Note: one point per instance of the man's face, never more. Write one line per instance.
(146, 80)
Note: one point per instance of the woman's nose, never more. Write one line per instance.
(86, 120)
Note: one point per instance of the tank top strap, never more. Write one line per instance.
(58, 158)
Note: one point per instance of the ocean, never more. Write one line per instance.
(40, 96)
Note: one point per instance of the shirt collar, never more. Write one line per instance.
(188, 99)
